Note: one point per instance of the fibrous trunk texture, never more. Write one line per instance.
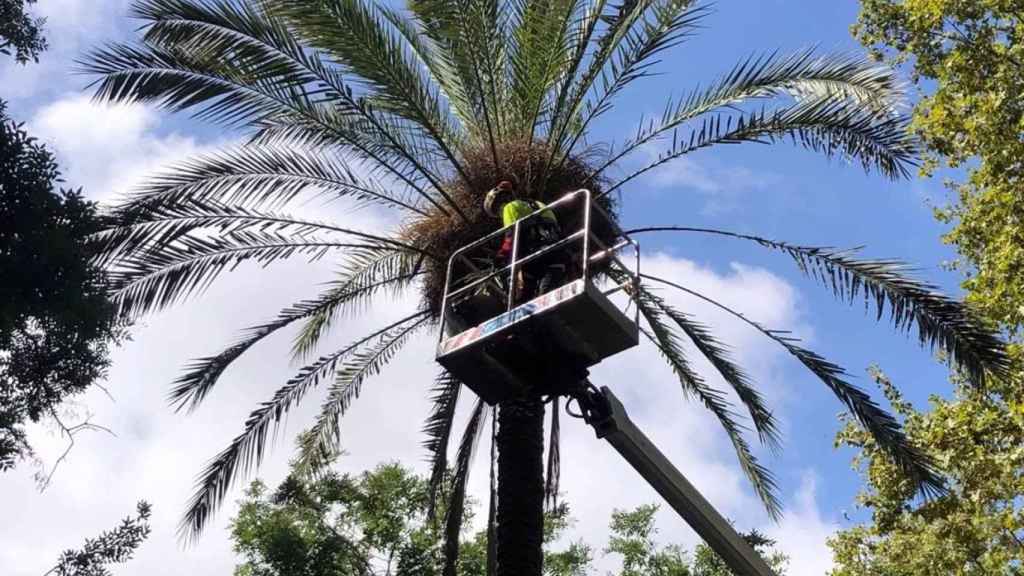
(520, 487)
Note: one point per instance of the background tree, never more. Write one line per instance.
(421, 111)
(632, 537)
(373, 523)
(978, 527)
(707, 562)
(56, 321)
(376, 523)
(968, 58)
(20, 33)
(574, 560)
(112, 547)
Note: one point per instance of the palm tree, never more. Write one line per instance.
(422, 110)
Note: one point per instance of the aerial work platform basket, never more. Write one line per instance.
(502, 341)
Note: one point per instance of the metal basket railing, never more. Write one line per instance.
(588, 258)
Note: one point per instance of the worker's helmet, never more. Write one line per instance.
(497, 197)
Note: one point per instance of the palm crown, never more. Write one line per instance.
(421, 111)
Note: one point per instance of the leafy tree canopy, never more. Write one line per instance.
(337, 525)
(56, 322)
(378, 523)
(20, 33)
(969, 57)
(633, 539)
(111, 547)
(978, 527)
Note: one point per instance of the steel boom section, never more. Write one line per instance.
(658, 471)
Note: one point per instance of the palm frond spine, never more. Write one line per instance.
(941, 322)
(201, 375)
(321, 444)
(887, 431)
(667, 343)
(246, 450)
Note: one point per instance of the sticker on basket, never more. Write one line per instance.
(531, 308)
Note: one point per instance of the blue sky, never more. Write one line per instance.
(780, 192)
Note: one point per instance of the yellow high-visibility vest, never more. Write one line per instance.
(518, 209)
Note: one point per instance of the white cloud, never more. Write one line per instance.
(105, 148)
(72, 27)
(688, 173)
(71, 21)
(803, 532)
(722, 187)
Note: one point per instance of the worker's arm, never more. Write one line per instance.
(509, 215)
(506, 246)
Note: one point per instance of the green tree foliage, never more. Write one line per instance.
(56, 321)
(112, 547)
(377, 523)
(706, 562)
(632, 538)
(969, 58)
(574, 560)
(977, 529)
(337, 525)
(21, 35)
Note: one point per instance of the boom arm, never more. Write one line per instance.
(605, 413)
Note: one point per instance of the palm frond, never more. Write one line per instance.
(201, 375)
(824, 124)
(603, 29)
(455, 511)
(718, 355)
(322, 443)
(470, 39)
(538, 53)
(579, 44)
(802, 74)
(438, 430)
(852, 80)
(365, 273)
(440, 69)
(359, 139)
(627, 57)
(140, 230)
(359, 36)
(237, 65)
(246, 450)
(942, 323)
(714, 400)
(883, 427)
(229, 32)
(154, 280)
(261, 177)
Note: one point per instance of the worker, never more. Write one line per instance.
(544, 273)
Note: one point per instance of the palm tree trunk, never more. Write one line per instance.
(520, 487)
